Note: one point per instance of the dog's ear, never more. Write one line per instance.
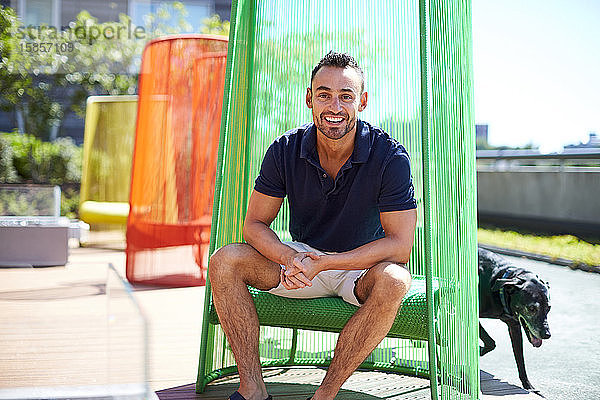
(547, 284)
(508, 283)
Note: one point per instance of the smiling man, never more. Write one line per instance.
(352, 221)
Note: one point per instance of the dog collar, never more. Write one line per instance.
(502, 292)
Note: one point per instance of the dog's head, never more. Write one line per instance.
(529, 300)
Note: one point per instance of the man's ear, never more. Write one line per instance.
(363, 101)
(308, 98)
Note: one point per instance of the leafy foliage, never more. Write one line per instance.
(8, 174)
(87, 58)
(27, 159)
(35, 161)
(18, 71)
(215, 26)
(27, 201)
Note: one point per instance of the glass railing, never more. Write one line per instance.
(127, 340)
(72, 334)
(35, 201)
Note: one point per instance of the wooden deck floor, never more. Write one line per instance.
(53, 333)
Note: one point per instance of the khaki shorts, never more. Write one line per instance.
(331, 283)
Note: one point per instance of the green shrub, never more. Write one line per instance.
(8, 174)
(26, 159)
(34, 202)
(54, 163)
(69, 203)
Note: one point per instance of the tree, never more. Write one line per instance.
(87, 58)
(215, 26)
(22, 90)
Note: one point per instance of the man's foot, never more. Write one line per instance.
(237, 396)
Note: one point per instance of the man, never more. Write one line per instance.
(352, 218)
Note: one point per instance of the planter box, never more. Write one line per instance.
(34, 245)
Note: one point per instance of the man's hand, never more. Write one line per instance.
(311, 265)
(299, 270)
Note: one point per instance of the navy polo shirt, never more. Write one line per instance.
(340, 214)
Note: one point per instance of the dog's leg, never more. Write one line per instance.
(488, 343)
(516, 338)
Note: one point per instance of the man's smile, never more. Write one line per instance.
(333, 119)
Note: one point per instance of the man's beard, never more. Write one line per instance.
(336, 132)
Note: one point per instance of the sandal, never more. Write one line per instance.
(237, 396)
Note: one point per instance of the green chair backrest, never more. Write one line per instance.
(417, 62)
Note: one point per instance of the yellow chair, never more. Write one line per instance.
(107, 154)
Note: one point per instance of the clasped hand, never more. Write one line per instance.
(300, 270)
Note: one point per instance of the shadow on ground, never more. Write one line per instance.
(492, 386)
(287, 391)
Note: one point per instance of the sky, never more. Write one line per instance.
(537, 71)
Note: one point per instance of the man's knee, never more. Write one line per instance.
(227, 260)
(390, 282)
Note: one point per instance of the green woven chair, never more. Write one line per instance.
(417, 62)
(308, 314)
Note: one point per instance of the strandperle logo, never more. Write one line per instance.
(84, 47)
(87, 34)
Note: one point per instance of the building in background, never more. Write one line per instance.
(592, 143)
(481, 132)
(481, 135)
(60, 12)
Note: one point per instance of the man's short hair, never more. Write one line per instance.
(339, 60)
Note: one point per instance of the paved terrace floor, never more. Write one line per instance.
(53, 325)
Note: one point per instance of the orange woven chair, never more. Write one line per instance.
(175, 158)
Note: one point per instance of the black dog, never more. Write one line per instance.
(518, 298)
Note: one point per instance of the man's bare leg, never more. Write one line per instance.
(231, 268)
(381, 289)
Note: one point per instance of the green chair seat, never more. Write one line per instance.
(410, 323)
